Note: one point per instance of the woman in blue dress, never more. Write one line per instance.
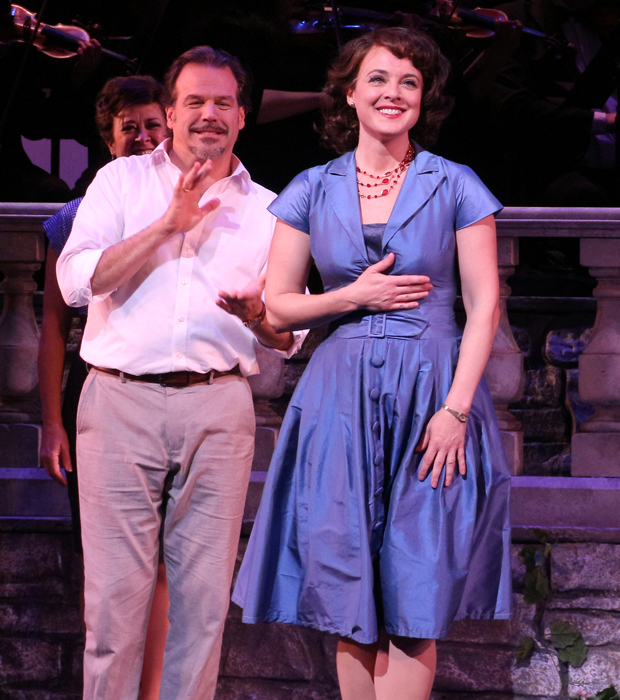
(385, 512)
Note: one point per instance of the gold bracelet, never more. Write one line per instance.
(457, 414)
(257, 320)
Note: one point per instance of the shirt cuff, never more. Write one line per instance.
(298, 339)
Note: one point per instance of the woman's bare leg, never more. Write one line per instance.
(356, 663)
(155, 638)
(405, 668)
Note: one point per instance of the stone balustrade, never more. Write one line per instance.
(595, 446)
(41, 635)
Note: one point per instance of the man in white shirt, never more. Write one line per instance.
(166, 411)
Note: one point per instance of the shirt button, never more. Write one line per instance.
(376, 361)
(181, 319)
(188, 248)
(375, 394)
(378, 460)
(376, 427)
(179, 355)
(183, 282)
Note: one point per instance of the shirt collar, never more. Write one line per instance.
(161, 154)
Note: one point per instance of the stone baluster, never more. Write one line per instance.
(504, 371)
(269, 384)
(22, 250)
(596, 447)
(19, 343)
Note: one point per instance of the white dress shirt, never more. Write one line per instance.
(165, 318)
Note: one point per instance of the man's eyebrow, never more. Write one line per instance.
(201, 97)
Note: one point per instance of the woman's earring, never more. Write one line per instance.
(352, 104)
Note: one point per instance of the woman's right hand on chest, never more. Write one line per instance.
(377, 291)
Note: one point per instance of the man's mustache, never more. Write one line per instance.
(215, 129)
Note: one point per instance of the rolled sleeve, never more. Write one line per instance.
(75, 273)
(298, 339)
(98, 225)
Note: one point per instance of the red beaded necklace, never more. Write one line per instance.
(386, 177)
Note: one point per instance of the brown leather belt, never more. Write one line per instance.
(176, 380)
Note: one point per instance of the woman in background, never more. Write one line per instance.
(131, 121)
(385, 511)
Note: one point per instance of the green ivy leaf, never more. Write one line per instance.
(527, 646)
(528, 554)
(563, 634)
(536, 587)
(608, 694)
(575, 654)
(542, 535)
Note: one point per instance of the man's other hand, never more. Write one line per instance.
(246, 304)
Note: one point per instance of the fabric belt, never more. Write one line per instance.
(176, 380)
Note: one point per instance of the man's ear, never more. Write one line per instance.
(170, 117)
(241, 117)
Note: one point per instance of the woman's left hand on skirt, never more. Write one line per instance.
(444, 442)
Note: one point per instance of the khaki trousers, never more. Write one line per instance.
(135, 442)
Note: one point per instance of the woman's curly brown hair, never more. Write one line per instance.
(119, 93)
(340, 128)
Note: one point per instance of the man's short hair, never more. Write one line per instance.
(207, 56)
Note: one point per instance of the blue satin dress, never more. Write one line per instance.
(347, 539)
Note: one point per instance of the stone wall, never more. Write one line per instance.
(478, 659)
(41, 633)
(41, 640)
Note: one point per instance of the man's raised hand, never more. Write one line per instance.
(185, 211)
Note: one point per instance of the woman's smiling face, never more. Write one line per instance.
(137, 130)
(387, 94)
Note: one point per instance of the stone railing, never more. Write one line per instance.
(538, 501)
(580, 506)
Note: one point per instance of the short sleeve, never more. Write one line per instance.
(474, 201)
(293, 204)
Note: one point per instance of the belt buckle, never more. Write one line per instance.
(377, 326)
(177, 382)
